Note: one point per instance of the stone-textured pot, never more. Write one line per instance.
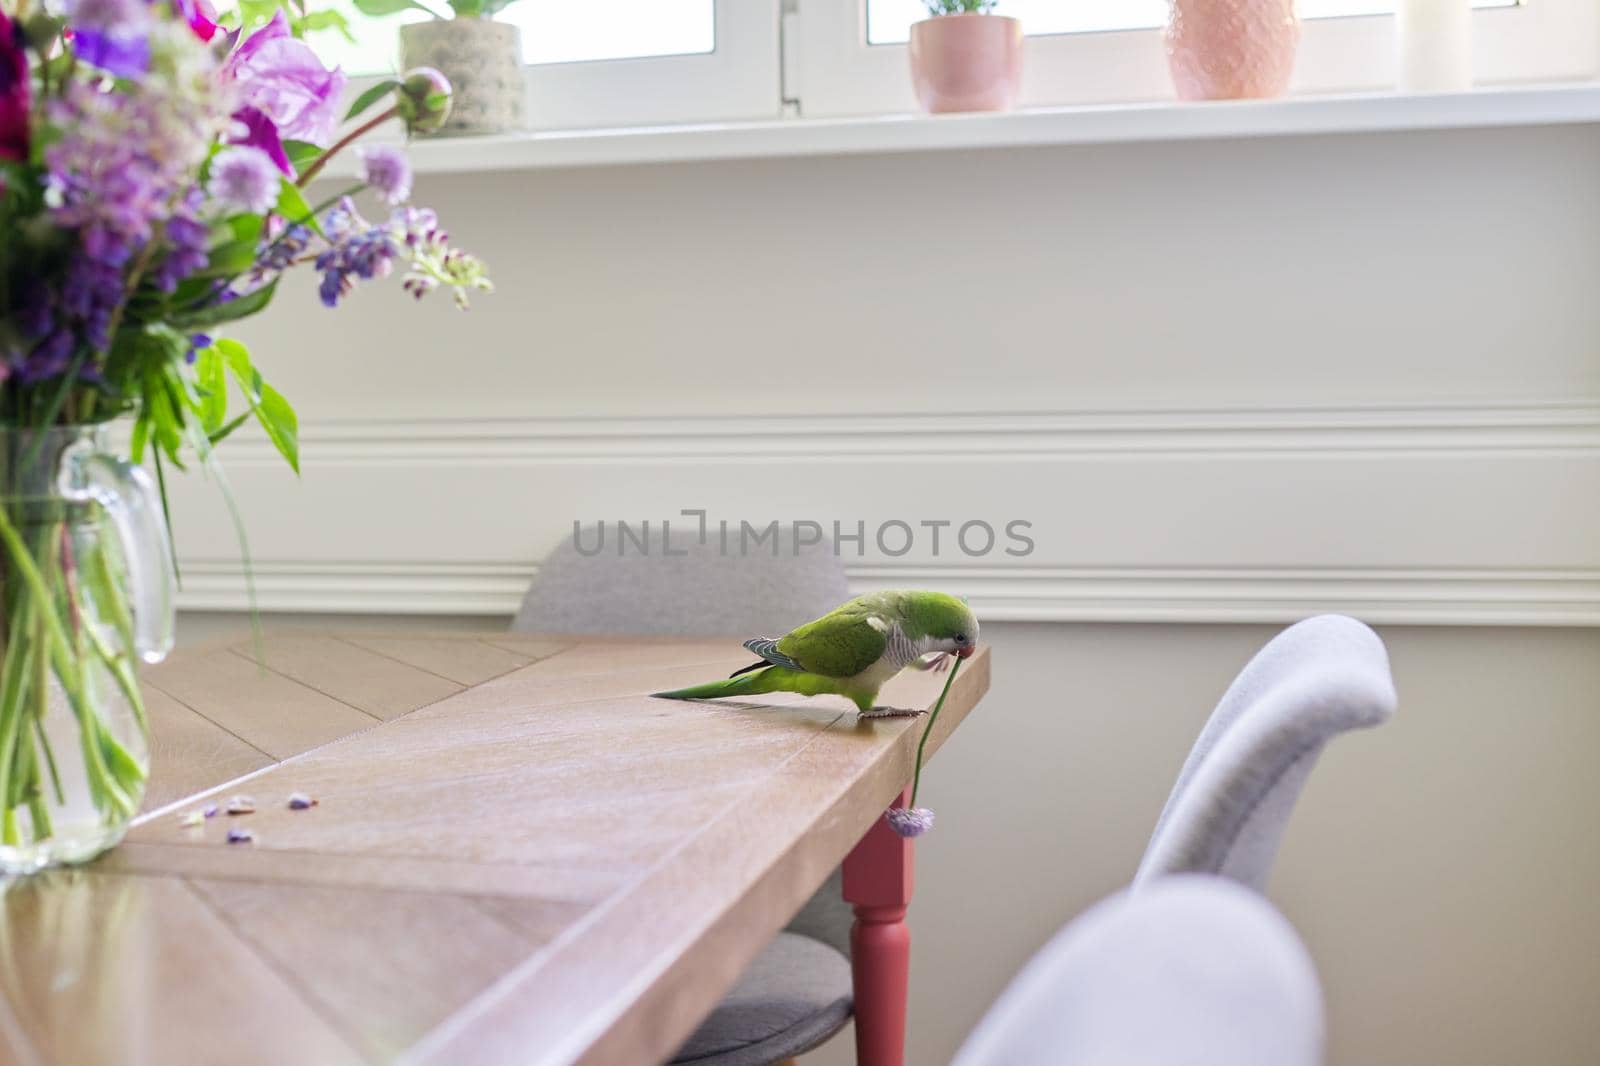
(483, 60)
(967, 62)
(1231, 49)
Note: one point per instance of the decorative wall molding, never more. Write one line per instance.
(1400, 513)
(1540, 425)
(1014, 594)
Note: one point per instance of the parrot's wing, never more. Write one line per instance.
(767, 648)
(841, 644)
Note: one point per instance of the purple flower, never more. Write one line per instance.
(909, 821)
(387, 170)
(187, 239)
(111, 34)
(244, 179)
(251, 126)
(356, 249)
(283, 78)
(14, 93)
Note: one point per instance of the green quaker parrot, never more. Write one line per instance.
(853, 650)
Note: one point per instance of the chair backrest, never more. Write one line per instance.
(697, 590)
(703, 592)
(1192, 971)
(1227, 812)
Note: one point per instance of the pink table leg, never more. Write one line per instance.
(877, 881)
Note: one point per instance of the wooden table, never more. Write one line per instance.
(516, 857)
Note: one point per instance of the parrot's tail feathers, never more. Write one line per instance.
(758, 664)
(768, 650)
(733, 686)
(772, 679)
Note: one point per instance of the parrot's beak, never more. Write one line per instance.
(966, 653)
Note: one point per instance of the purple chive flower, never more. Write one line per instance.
(282, 77)
(240, 835)
(909, 821)
(244, 179)
(387, 171)
(299, 801)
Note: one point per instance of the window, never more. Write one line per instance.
(552, 32)
(600, 63)
(613, 62)
(889, 21)
(852, 53)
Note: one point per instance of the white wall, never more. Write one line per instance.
(1228, 381)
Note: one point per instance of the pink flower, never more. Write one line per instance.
(284, 79)
(251, 126)
(13, 94)
(200, 16)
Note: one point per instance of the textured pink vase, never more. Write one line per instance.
(967, 62)
(1231, 49)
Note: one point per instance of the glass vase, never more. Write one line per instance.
(86, 594)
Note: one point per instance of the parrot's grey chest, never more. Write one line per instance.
(902, 651)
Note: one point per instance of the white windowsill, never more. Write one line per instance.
(1161, 121)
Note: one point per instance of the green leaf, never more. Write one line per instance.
(140, 438)
(379, 8)
(227, 431)
(229, 259)
(292, 206)
(246, 227)
(300, 153)
(232, 311)
(274, 412)
(318, 21)
(371, 96)
(213, 383)
(277, 417)
(253, 13)
(237, 358)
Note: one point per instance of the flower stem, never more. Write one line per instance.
(343, 142)
(916, 777)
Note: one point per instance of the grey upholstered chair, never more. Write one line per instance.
(1193, 970)
(1227, 812)
(797, 993)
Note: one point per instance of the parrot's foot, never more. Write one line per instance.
(894, 712)
(938, 662)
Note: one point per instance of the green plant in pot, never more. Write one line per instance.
(482, 59)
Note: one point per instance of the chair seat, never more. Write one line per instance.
(794, 996)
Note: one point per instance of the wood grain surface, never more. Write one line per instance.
(516, 855)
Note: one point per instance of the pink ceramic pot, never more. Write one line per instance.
(1231, 49)
(967, 62)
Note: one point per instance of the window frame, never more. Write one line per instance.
(738, 79)
(838, 73)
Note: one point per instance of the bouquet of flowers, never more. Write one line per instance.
(154, 168)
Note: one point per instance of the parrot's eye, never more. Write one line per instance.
(961, 638)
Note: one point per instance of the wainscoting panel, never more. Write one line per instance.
(1436, 514)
